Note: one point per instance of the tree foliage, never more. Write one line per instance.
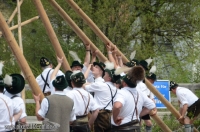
(168, 31)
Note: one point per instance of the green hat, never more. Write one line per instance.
(111, 73)
(127, 80)
(18, 84)
(132, 63)
(77, 77)
(173, 85)
(60, 82)
(1, 82)
(101, 65)
(44, 62)
(76, 63)
(67, 77)
(144, 64)
(152, 76)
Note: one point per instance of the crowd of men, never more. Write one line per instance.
(93, 96)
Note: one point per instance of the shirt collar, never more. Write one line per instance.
(99, 79)
(130, 89)
(77, 88)
(59, 92)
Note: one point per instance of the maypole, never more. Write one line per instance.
(19, 57)
(76, 29)
(52, 36)
(94, 27)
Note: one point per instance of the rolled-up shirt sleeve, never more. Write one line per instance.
(93, 87)
(44, 108)
(182, 99)
(119, 98)
(148, 103)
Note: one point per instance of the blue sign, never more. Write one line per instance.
(163, 87)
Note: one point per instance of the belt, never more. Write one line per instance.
(134, 124)
(47, 93)
(105, 110)
(79, 117)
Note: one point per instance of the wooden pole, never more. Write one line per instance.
(20, 40)
(19, 57)
(23, 23)
(94, 27)
(160, 123)
(76, 29)
(163, 100)
(14, 12)
(52, 36)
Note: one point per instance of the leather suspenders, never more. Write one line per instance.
(86, 107)
(136, 101)
(112, 97)
(8, 110)
(45, 81)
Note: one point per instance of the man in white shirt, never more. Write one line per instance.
(126, 114)
(10, 111)
(13, 92)
(189, 105)
(102, 97)
(43, 79)
(83, 103)
(57, 108)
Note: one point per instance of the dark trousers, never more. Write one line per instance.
(84, 128)
(134, 130)
(102, 122)
(132, 126)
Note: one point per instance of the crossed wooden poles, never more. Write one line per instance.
(6, 31)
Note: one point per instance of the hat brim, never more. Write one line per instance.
(15, 89)
(77, 65)
(96, 63)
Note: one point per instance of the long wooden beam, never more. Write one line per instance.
(14, 13)
(76, 29)
(20, 40)
(19, 56)
(52, 36)
(23, 23)
(94, 27)
(163, 100)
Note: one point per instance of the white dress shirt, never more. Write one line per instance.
(45, 106)
(185, 96)
(66, 90)
(101, 91)
(41, 83)
(80, 103)
(4, 115)
(142, 87)
(18, 101)
(128, 103)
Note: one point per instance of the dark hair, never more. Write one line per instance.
(136, 73)
(78, 85)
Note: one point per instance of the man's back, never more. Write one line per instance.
(60, 107)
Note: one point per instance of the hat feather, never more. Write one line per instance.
(149, 60)
(74, 56)
(132, 56)
(1, 67)
(109, 65)
(118, 71)
(153, 69)
(8, 80)
(75, 72)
